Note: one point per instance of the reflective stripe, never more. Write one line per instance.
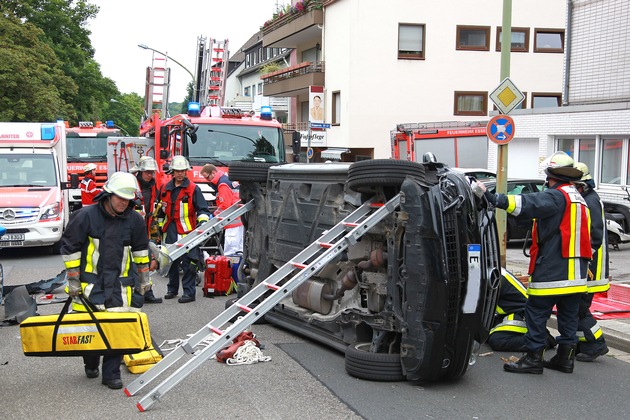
(126, 261)
(515, 204)
(514, 282)
(596, 330)
(510, 324)
(562, 287)
(141, 257)
(72, 261)
(77, 329)
(183, 216)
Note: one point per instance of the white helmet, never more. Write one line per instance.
(122, 184)
(586, 174)
(180, 163)
(147, 163)
(561, 167)
(89, 168)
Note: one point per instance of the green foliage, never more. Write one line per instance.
(126, 112)
(270, 68)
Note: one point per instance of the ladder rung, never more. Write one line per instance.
(270, 286)
(245, 308)
(299, 265)
(216, 330)
(325, 245)
(351, 224)
(376, 205)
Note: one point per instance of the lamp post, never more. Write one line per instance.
(116, 101)
(146, 47)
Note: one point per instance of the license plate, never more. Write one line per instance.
(12, 237)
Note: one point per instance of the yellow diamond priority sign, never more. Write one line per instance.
(507, 96)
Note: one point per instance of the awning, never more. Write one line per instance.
(333, 153)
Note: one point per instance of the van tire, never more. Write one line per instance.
(366, 175)
(383, 367)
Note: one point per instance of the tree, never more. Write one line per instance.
(32, 82)
(126, 111)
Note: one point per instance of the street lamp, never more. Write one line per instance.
(146, 47)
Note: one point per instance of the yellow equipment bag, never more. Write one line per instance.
(143, 361)
(85, 333)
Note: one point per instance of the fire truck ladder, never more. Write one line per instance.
(214, 69)
(198, 236)
(156, 89)
(312, 259)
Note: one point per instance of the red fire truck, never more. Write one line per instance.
(87, 143)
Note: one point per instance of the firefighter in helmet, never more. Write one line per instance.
(184, 209)
(89, 190)
(591, 338)
(145, 174)
(560, 254)
(106, 255)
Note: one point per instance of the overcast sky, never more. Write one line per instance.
(172, 27)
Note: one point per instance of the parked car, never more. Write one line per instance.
(480, 174)
(517, 230)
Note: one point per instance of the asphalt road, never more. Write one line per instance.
(303, 380)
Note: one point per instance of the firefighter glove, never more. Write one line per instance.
(145, 280)
(74, 284)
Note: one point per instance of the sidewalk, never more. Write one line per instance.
(616, 331)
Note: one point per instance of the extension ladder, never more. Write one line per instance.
(312, 259)
(171, 252)
(157, 88)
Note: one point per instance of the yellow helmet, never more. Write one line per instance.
(586, 174)
(180, 163)
(122, 184)
(561, 167)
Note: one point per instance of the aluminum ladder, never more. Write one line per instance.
(170, 252)
(309, 261)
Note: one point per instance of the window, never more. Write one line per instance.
(546, 100)
(475, 38)
(260, 88)
(611, 161)
(336, 108)
(253, 90)
(411, 41)
(549, 40)
(246, 91)
(520, 39)
(471, 103)
(248, 60)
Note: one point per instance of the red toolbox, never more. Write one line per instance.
(218, 276)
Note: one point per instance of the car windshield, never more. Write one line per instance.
(27, 170)
(226, 143)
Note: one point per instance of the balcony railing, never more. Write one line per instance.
(293, 12)
(306, 67)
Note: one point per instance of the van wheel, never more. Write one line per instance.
(366, 175)
(362, 364)
(243, 171)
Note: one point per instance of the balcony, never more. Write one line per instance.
(294, 27)
(294, 80)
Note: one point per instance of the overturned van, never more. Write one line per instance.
(414, 296)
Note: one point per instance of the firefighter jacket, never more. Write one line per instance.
(561, 246)
(88, 190)
(150, 193)
(227, 194)
(184, 207)
(109, 252)
(598, 268)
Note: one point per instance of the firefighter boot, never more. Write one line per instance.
(531, 362)
(563, 360)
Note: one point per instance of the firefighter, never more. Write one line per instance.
(145, 174)
(105, 252)
(227, 193)
(560, 253)
(591, 343)
(184, 208)
(508, 333)
(88, 185)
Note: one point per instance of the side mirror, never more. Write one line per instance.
(296, 142)
(164, 154)
(163, 137)
(74, 181)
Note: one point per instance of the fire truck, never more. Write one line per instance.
(33, 184)
(87, 143)
(208, 132)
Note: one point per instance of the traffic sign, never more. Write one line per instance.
(500, 129)
(309, 153)
(320, 125)
(507, 96)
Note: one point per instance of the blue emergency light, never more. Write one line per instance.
(110, 124)
(194, 109)
(48, 132)
(265, 112)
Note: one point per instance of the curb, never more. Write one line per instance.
(614, 338)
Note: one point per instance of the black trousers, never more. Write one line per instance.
(537, 312)
(111, 365)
